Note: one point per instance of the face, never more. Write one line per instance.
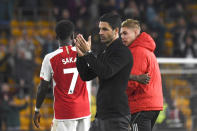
(106, 33)
(128, 35)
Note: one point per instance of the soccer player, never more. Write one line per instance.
(71, 103)
(112, 67)
(145, 100)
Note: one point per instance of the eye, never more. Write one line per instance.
(124, 33)
(105, 29)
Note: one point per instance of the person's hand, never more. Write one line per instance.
(83, 45)
(143, 79)
(79, 52)
(37, 119)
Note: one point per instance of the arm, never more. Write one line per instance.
(143, 79)
(45, 75)
(41, 93)
(85, 72)
(18, 107)
(108, 65)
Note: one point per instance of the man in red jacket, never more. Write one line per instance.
(145, 100)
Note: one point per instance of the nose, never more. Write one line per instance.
(122, 36)
(100, 32)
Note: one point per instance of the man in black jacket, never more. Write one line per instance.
(112, 67)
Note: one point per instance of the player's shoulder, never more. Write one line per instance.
(54, 53)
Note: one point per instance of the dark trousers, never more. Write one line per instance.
(143, 121)
(112, 124)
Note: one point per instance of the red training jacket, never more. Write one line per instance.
(145, 97)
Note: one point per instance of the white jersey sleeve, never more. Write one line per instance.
(46, 69)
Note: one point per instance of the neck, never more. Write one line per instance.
(64, 43)
(134, 39)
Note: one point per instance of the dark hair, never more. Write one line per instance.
(64, 29)
(113, 19)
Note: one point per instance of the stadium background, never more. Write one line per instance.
(27, 34)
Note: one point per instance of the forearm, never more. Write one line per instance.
(21, 107)
(107, 67)
(41, 93)
(133, 77)
(143, 79)
(108, 70)
(85, 72)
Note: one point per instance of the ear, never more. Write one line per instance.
(117, 30)
(137, 32)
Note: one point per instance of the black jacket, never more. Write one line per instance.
(112, 67)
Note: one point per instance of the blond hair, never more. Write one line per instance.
(131, 23)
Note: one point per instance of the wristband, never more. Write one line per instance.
(37, 109)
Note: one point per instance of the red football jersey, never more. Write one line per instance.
(70, 92)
